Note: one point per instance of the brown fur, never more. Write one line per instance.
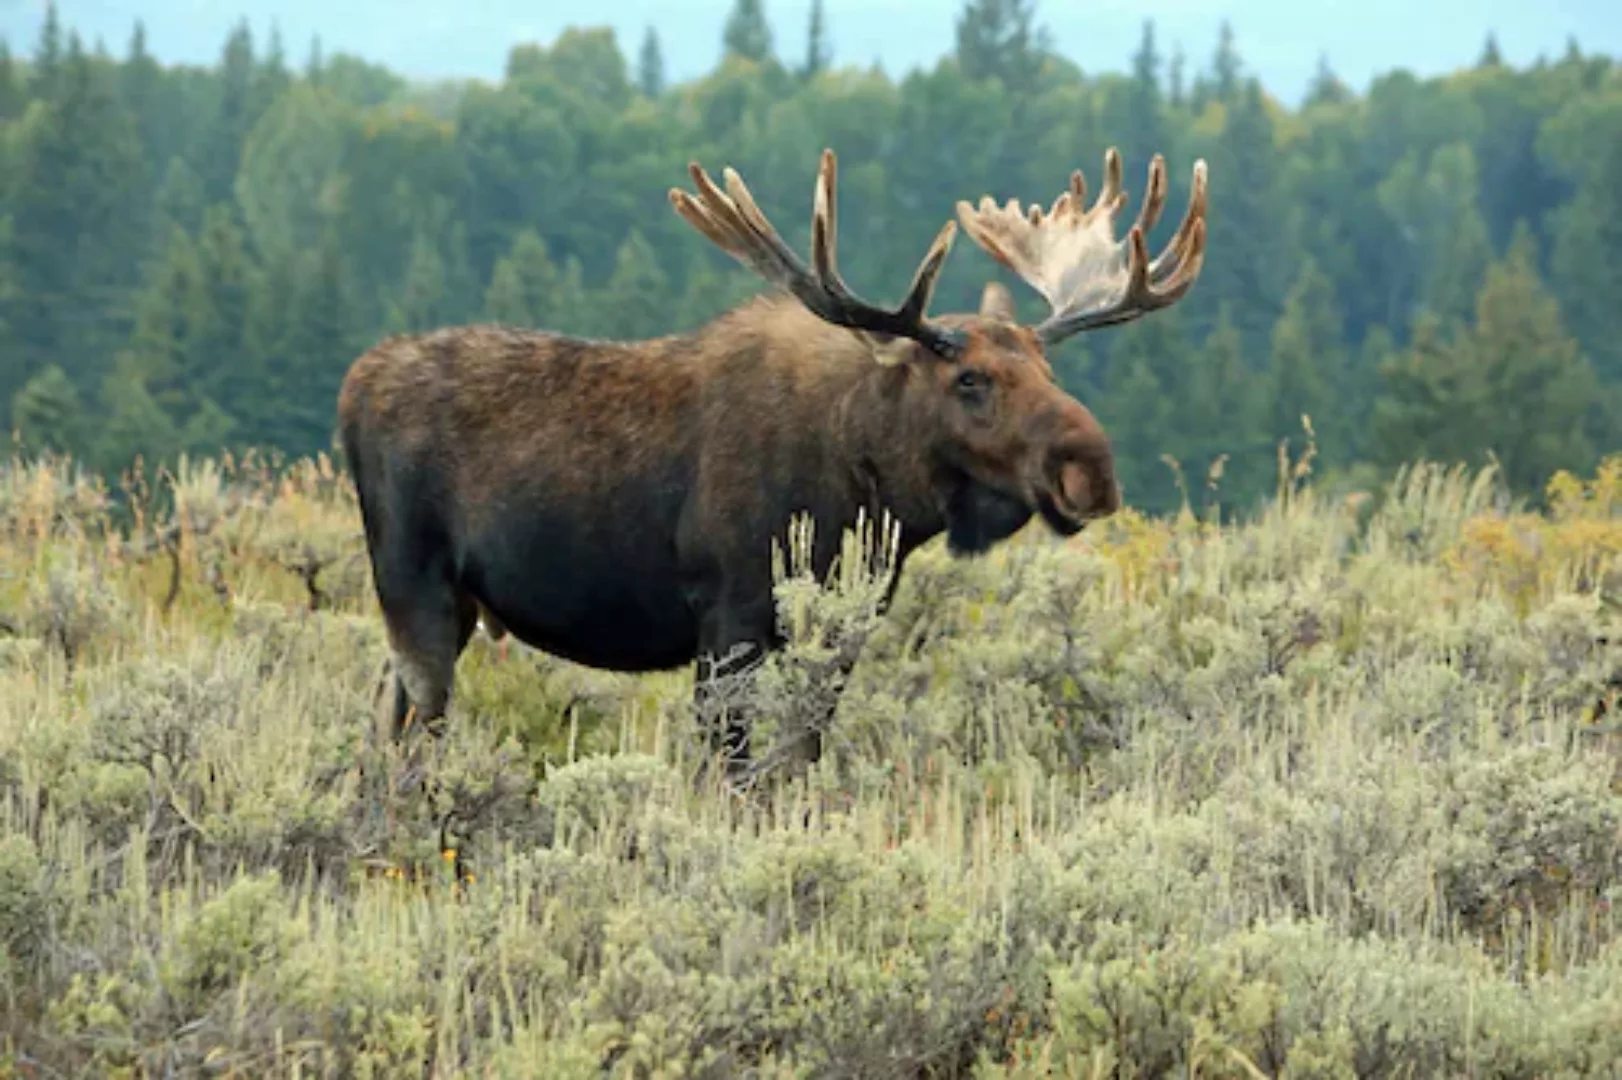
(615, 503)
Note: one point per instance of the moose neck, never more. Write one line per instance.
(887, 445)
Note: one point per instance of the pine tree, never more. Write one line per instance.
(140, 86)
(1588, 227)
(817, 52)
(169, 310)
(323, 339)
(1326, 88)
(1143, 393)
(633, 300)
(45, 74)
(1542, 387)
(268, 346)
(999, 39)
(234, 115)
(1226, 69)
(12, 98)
(1436, 208)
(220, 365)
(650, 66)
(47, 413)
(315, 65)
(1221, 410)
(421, 304)
(179, 202)
(1513, 383)
(130, 423)
(1247, 229)
(1491, 57)
(79, 225)
(1307, 369)
(526, 289)
(747, 34)
(1145, 120)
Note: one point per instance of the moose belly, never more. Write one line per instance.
(593, 607)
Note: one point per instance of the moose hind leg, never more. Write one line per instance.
(428, 628)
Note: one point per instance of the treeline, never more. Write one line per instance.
(189, 258)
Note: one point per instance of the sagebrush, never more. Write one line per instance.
(1331, 792)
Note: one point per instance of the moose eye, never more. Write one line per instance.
(972, 383)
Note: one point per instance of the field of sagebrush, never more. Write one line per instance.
(1333, 792)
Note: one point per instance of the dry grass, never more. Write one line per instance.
(1333, 792)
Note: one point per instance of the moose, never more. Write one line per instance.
(614, 503)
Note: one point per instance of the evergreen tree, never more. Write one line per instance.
(78, 224)
(267, 348)
(1143, 395)
(315, 65)
(1144, 133)
(47, 413)
(422, 294)
(234, 114)
(527, 289)
(323, 339)
(818, 53)
(1222, 414)
(169, 311)
(179, 199)
(1491, 57)
(1247, 229)
(272, 76)
(1514, 383)
(131, 424)
(1176, 92)
(12, 374)
(140, 87)
(1307, 368)
(999, 39)
(650, 67)
(1587, 230)
(1226, 70)
(1326, 88)
(222, 368)
(747, 34)
(632, 300)
(1446, 239)
(12, 98)
(46, 73)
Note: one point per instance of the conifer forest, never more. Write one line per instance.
(189, 258)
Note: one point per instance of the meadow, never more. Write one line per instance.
(1332, 791)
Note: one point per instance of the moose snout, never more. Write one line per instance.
(1087, 487)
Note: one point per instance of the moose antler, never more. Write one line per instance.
(733, 222)
(1071, 256)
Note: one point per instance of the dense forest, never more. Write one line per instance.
(189, 258)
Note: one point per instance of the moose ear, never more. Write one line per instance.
(891, 351)
(996, 302)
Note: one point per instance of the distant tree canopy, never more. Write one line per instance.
(189, 259)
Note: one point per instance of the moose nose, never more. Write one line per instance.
(1089, 487)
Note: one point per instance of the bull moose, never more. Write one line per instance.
(614, 503)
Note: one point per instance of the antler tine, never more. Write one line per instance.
(1177, 250)
(734, 222)
(1111, 197)
(1071, 256)
(1154, 196)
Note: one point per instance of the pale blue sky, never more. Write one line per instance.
(1278, 39)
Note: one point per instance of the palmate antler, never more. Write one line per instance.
(733, 222)
(1071, 256)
